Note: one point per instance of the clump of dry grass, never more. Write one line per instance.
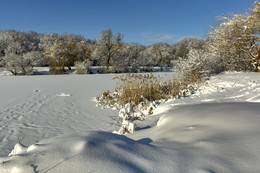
(136, 95)
(142, 89)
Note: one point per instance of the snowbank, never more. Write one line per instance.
(210, 137)
(93, 152)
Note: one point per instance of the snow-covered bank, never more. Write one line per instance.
(210, 137)
(215, 130)
(93, 152)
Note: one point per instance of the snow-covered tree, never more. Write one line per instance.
(126, 59)
(145, 60)
(14, 49)
(14, 63)
(108, 46)
(133, 52)
(159, 54)
(163, 54)
(33, 59)
(182, 48)
(19, 42)
(63, 54)
(235, 41)
(49, 39)
(198, 63)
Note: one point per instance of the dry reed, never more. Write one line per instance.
(142, 89)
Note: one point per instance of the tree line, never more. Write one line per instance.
(232, 44)
(21, 51)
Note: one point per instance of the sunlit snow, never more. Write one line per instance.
(217, 129)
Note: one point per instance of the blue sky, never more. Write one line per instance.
(142, 21)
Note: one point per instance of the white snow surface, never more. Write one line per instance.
(215, 130)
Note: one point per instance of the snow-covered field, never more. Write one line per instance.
(215, 130)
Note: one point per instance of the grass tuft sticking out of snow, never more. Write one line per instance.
(138, 92)
(139, 89)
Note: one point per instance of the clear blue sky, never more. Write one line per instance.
(142, 21)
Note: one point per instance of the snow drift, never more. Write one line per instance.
(93, 152)
(211, 137)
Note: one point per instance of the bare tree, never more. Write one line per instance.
(108, 46)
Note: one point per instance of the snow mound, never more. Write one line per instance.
(63, 95)
(18, 149)
(210, 137)
(94, 152)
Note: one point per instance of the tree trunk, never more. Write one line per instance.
(257, 63)
(108, 63)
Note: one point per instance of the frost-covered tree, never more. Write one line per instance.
(159, 54)
(126, 60)
(162, 53)
(107, 47)
(13, 48)
(14, 63)
(198, 63)
(134, 56)
(16, 43)
(3, 45)
(145, 60)
(62, 54)
(20, 42)
(182, 48)
(133, 52)
(235, 41)
(222, 44)
(49, 39)
(29, 48)
(33, 59)
(22, 64)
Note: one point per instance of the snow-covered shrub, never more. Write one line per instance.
(82, 67)
(126, 119)
(137, 92)
(18, 64)
(197, 65)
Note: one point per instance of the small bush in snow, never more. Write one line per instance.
(197, 65)
(126, 119)
(137, 92)
(82, 67)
